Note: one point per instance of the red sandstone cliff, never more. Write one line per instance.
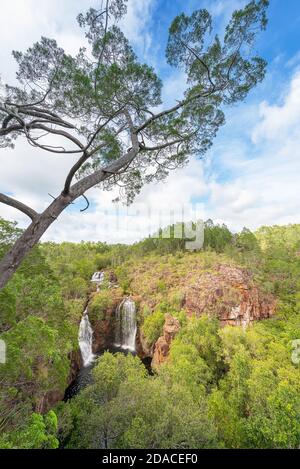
(162, 346)
(230, 294)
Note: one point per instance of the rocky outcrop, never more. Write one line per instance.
(162, 346)
(143, 349)
(103, 332)
(227, 292)
(76, 363)
(103, 321)
(230, 294)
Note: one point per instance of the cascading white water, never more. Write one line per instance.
(126, 327)
(98, 278)
(85, 339)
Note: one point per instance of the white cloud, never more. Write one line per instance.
(294, 61)
(23, 22)
(224, 8)
(174, 88)
(265, 188)
(135, 24)
(280, 120)
(158, 205)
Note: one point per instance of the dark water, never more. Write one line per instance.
(83, 379)
(84, 376)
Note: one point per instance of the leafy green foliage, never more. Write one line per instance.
(216, 237)
(221, 61)
(32, 348)
(129, 409)
(38, 433)
(152, 326)
(8, 235)
(262, 387)
(228, 387)
(40, 310)
(107, 299)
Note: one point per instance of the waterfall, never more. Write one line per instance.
(98, 278)
(126, 325)
(85, 339)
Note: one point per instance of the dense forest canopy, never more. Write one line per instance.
(221, 387)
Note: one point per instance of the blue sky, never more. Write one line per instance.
(250, 176)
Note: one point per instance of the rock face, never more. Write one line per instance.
(230, 294)
(162, 346)
(226, 291)
(103, 332)
(143, 349)
(104, 327)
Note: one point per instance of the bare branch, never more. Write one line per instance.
(73, 170)
(63, 133)
(86, 155)
(194, 53)
(162, 145)
(103, 46)
(175, 108)
(12, 128)
(19, 206)
(104, 173)
(7, 120)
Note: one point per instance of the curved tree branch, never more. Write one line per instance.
(175, 108)
(194, 53)
(61, 133)
(87, 203)
(19, 206)
(162, 145)
(86, 155)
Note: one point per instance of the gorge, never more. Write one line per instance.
(189, 327)
(125, 331)
(228, 293)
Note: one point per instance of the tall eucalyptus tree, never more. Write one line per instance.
(106, 106)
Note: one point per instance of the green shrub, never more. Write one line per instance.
(99, 304)
(161, 286)
(74, 309)
(144, 312)
(123, 279)
(176, 300)
(77, 288)
(152, 327)
(103, 260)
(181, 316)
(38, 433)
